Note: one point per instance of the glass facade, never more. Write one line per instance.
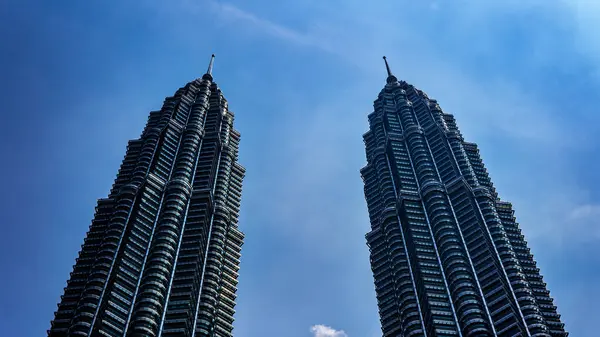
(161, 257)
(447, 254)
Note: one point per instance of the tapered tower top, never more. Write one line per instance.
(391, 78)
(208, 75)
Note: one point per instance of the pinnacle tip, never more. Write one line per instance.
(210, 65)
(387, 68)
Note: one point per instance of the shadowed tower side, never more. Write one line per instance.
(161, 257)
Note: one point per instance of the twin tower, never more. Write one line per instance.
(162, 254)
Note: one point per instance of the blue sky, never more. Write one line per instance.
(79, 77)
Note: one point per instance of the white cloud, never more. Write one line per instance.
(586, 211)
(247, 22)
(584, 218)
(325, 331)
(497, 105)
(235, 14)
(586, 14)
(556, 216)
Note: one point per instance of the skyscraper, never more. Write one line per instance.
(161, 257)
(447, 254)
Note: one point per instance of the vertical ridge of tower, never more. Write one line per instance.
(447, 255)
(162, 254)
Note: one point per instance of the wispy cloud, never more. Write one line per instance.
(496, 105)
(485, 107)
(584, 218)
(249, 22)
(237, 15)
(586, 15)
(586, 211)
(325, 331)
(557, 216)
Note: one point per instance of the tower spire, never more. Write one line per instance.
(391, 78)
(387, 66)
(208, 75)
(210, 65)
